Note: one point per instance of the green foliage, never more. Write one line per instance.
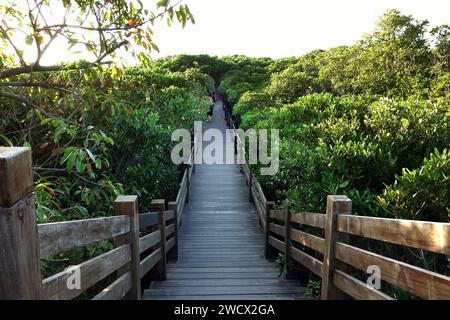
(422, 193)
(371, 121)
(313, 289)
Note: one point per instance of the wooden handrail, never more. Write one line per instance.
(66, 235)
(418, 281)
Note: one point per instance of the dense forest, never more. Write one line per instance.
(369, 120)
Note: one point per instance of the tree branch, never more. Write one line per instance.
(33, 84)
(38, 68)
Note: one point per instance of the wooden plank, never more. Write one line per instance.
(306, 260)
(357, 289)
(423, 283)
(275, 228)
(20, 276)
(431, 236)
(128, 204)
(206, 269)
(308, 240)
(63, 236)
(277, 243)
(116, 290)
(169, 215)
(273, 274)
(160, 271)
(336, 205)
(233, 297)
(173, 254)
(148, 220)
(170, 244)
(183, 187)
(149, 262)
(149, 240)
(170, 229)
(91, 271)
(316, 220)
(224, 290)
(277, 215)
(224, 282)
(261, 213)
(16, 176)
(261, 194)
(269, 252)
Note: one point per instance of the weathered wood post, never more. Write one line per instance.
(287, 240)
(250, 178)
(128, 205)
(159, 205)
(188, 181)
(173, 254)
(20, 276)
(269, 252)
(335, 205)
(193, 151)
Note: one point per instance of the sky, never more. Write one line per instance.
(261, 28)
(279, 28)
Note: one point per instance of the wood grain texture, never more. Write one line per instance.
(149, 240)
(170, 229)
(356, 288)
(277, 215)
(148, 219)
(431, 236)
(118, 289)
(91, 271)
(308, 240)
(306, 260)
(336, 205)
(150, 261)
(63, 236)
(128, 205)
(16, 176)
(316, 220)
(421, 282)
(20, 276)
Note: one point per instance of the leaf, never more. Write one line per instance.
(162, 3)
(6, 140)
(344, 184)
(71, 161)
(91, 155)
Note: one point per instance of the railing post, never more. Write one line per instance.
(269, 252)
(193, 151)
(250, 178)
(20, 276)
(128, 205)
(335, 205)
(287, 240)
(173, 254)
(159, 205)
(188, 182)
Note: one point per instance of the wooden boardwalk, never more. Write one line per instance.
(221, 246)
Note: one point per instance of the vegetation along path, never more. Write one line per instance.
(221, 246)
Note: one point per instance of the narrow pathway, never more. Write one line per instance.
(221, 246)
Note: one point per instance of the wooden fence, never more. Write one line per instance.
(23, 243)
(283, 234)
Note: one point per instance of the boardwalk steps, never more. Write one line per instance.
(221, 246)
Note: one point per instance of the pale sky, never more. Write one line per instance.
(284, 27)
(263, 28)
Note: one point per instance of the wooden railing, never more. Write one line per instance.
(284, 235)
(23, 243)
